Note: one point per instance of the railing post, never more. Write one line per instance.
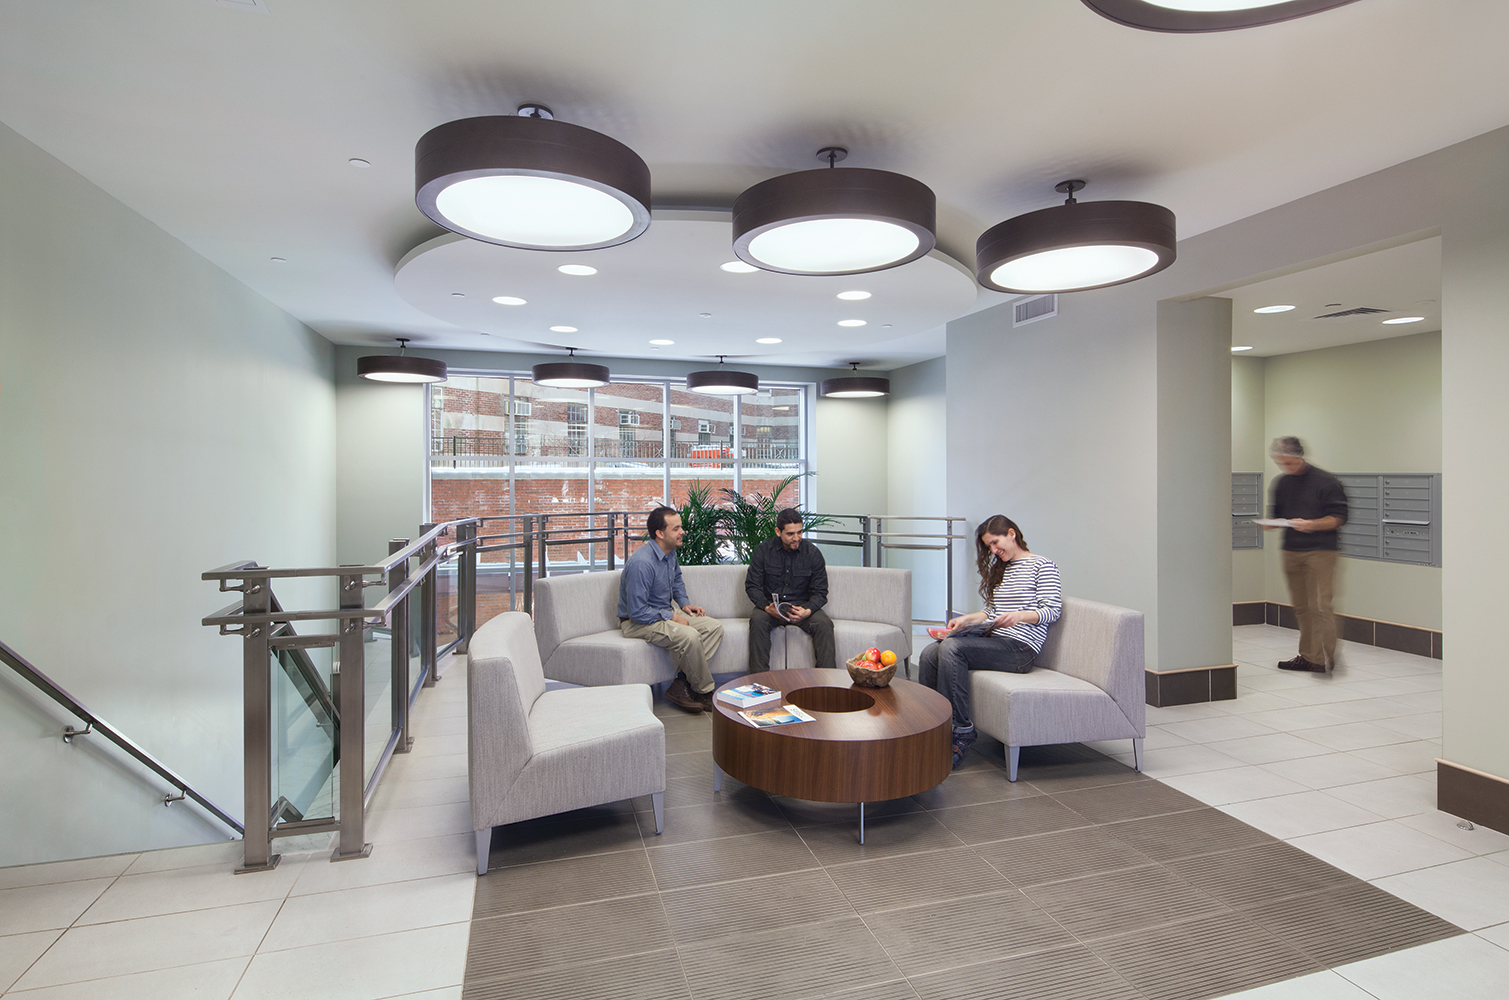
(256, 723)
(864, 527)
(544, 553)
(398, 652)
(948, 529)
(612, 534)
(466, 586)
(429, 608)
(353, 695)
(879, 540)
(528, 564)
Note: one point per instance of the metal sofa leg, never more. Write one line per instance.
(1013, 755)
(484, 844)
(657, 799)
(1137, 751)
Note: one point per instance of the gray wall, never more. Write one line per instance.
(1249, 453)
(157, 419)
(917, 421)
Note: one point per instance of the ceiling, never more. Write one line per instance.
(1402, 281)
(231, 130)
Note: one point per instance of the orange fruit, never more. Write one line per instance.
(888, 659)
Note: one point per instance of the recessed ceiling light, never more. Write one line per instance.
(853, 296)
(768, 340)
(529, 181)
(1398, 320)
(1272, 309)
(579, 269)
(563, 329)
(705, 315)
(1076, 246)
(1206, 15)
(360, 163)
(851, 322)
(1236, 349)
(738, 267)
(663, 343)
(508, 300)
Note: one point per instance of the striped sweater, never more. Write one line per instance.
(1030, 583)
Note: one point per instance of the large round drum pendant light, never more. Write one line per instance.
(400, 367)
(855, 386)
(1207, 15)
(572, 374)
(722, 381)
(831, 221)
(532, 182)
(1076, 246)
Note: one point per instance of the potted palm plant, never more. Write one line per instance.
(748, 521)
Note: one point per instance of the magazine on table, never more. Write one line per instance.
(748, 695)
(776, 715)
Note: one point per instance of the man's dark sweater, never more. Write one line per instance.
(1309, 495)
(800, 577)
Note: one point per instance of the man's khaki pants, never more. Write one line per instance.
(1311, 576)
(691, 646)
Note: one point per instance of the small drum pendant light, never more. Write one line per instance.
(1206, 15)
(532, 182)
(570, 374)
(831, 221)
(722, 381)
(1076, 246)
(399, 367)
(855, 386)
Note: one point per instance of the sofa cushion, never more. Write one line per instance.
(791, 648)
(609, 658)
(592, 745)
(1101, 644)
(718, 589)
(1045, 706)
(573, 605)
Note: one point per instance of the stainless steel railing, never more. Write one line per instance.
(427, 583)
(96, 726)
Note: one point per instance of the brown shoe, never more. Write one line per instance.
(1300, 663)
(682, 697)
(706, 697)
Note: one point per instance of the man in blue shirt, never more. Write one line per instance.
(652, 605)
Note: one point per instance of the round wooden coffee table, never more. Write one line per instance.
(863, 745)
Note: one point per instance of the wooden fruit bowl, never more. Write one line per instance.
(870, 678)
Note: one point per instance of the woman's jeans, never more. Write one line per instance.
(946, 666)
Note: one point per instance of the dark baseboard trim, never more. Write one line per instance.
(1369, 631)
(1191, 685)
(1474, 795)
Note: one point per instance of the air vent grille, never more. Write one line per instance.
(1354, 313)
(1030, 310)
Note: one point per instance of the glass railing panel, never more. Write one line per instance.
(416, 636)
(304, 736)
(447, 585)
(377, 707)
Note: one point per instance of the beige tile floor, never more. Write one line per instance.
(1342, 767)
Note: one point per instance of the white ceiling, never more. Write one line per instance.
(1404, 280)
(232, 130)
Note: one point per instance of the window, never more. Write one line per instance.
(576, 428)
(627, 418)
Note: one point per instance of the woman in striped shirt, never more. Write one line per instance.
(1023, 596)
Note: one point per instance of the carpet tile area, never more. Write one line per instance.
(1082, 881)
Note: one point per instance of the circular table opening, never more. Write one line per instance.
(830, 699)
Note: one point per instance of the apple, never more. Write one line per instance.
(872, 654)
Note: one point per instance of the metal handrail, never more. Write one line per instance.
(94, 724)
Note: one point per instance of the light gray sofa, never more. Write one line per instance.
(533, 752)
(1086, 684)
(576, 620)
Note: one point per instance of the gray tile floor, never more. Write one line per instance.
(1082, 880)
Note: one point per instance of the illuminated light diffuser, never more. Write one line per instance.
(400, 367)
(1206, 15)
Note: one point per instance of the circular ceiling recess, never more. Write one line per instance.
(1207, 15)
(532, 183)
(658, 287)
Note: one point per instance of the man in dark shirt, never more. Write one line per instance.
(786, 570)
(1314, 503)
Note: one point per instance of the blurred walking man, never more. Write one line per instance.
(1315, 505)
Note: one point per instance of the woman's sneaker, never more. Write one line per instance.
(963, 739)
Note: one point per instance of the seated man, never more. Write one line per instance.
(652, 605)
(786, 570)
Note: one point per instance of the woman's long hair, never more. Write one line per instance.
(992, 569)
